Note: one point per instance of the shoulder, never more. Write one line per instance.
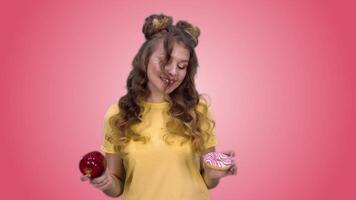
(203, 105)
(111, 110)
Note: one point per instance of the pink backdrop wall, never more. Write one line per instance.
(280, 75)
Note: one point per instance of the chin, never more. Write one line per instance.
(170, 89)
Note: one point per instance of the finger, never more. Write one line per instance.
(98, 179)
(232, 171)
(235, 171)
(101, 184)
(229, 153)
(233, 168)
(84, 178)
(106, 185)
(95, 181)
(232, 164)
(101, 180)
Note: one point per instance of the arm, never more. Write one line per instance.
(117, 171)
(210, 183)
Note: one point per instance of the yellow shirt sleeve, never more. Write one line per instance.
(208, 125)
(109, 139)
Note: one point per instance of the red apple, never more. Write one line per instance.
(93, 164)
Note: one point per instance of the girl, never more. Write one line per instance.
(156, 135)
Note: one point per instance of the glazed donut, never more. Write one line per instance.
(218, 161)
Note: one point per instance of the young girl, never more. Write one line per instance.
(156, 135)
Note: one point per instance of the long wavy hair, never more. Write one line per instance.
(185, 118)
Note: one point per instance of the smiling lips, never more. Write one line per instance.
(167, 81)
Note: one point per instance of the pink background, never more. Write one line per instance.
(280, 75)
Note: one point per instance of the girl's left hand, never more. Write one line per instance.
(215, 174)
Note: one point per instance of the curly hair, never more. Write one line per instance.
(186, 119)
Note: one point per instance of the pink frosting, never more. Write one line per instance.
(218, 160)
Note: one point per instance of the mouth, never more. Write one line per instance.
(167, 82)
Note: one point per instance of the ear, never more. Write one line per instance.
(210, 149)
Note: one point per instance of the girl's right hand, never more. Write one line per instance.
(103, 182)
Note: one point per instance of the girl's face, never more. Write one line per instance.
(176, 69)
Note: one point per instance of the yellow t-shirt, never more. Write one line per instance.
(156, 170)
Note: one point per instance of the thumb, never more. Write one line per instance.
(84, 177)
(229, 153)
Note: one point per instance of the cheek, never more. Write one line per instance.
(182, 75)
(155, 69)
(149, 74)
(152, 71)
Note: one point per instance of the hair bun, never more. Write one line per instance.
(156, 23)
(193, 31)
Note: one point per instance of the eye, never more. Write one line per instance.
(182, 66)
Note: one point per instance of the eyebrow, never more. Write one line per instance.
(183, 60)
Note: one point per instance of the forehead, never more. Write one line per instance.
(179, 52)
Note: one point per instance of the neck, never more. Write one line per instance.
(155, 98)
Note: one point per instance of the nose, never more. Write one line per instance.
(171, 70)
